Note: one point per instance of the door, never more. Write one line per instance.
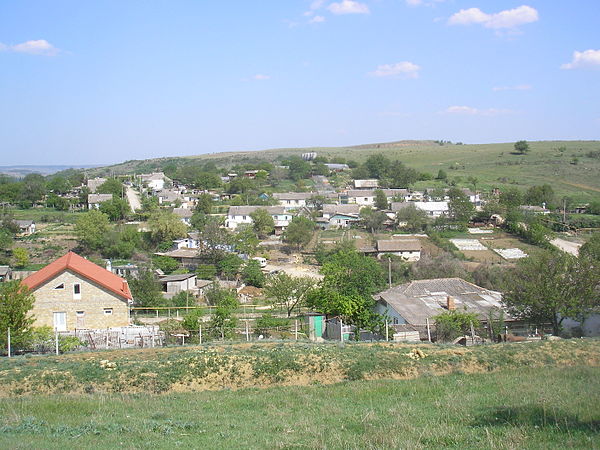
(60, 321)
(80, 319)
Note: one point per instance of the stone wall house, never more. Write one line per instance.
(74, 293)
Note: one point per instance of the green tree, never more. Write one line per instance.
(223, 321)
(116, 208)
(33, 188)
(298, 168)
(91, 228)
(401, 176)
(165, 263)
(146, 291)
(551, 286)
(538, 195)
(21, 256)
(461, 208)
(452, 324)
(299, 232)
(591, 249)
(262, 222)
(193, 320)
(16, 301)
(521, 147)
(381, 201)
(442, 175)
(111, 186)
(511, 198)
(377, 165)
(287, 291)
(165, 226)
(351, 272)
(245, 240)
(252, 274)
(373, 220)
(205, 204)
(59, 185)
(416, 220)
(230, 265)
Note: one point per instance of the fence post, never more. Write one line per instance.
(9, 342)
(56, 341)
(341, 330)
(296, 328)
(200, 333)
(387, 335)
(428, 329)
(247, 332)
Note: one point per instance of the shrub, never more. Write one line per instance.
(266, 323)
(452, 324)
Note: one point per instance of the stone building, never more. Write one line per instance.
(74, 293)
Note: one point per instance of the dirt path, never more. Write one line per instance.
(581, 186)
(134, 199)
(566, 246)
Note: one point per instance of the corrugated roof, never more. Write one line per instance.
(399, 245)
(341, 209)
(81, 266)
(176, 277)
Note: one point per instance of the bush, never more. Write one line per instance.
(43, 341)
(452, 324)
(267, 323)
(193, 320)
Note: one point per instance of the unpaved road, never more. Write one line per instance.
(566, 246)
(133, 198)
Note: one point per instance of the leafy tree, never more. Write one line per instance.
(381, 201)
(90, 229)
(317, 201)
(16, 301)
(473, 181)
(165, 226)
(511, 197)
(6, 240)
(377, 165)
(461, 208)
(223, 321)
(165, 263)
(320, 169)
(299, 232)
(551, 286)
(240, 185)
(245, 240)
(214, 239)
(146, 291)
(442, 175)
(401, 176)
(59, 203)
(298, 168)
(230, 265)
(33, 188)
(59, 185)
(538, 195)
(287, 291)
(208, 180)
(373, 220)
(521, 147)
(21, 256)
(205, 204)
(262, 222)
(416, 219)
(591, 249)
(206, 271)
(452, 324)
(351, 272)
(360, 172)
(252, 274)
(193, 320)
(121, 242)
(111, 186)
(266, 323)
(199, 220)
(116, 208)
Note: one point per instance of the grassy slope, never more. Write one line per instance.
(493, 164)
(531, 408)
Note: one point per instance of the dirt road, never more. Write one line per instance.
(133, 198)
(566, 246)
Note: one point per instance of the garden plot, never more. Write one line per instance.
(511, 253)
(468, 245)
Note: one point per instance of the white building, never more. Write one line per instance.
(239, 215)
(293, 200)
(433, 209)
(155, 181)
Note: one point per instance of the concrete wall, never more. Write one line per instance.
(92, 302)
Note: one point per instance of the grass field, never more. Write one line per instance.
(570, 172)
(525, 408)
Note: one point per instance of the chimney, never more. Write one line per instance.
(450, 303)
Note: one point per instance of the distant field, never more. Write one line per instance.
(524, 408)
(494, 165)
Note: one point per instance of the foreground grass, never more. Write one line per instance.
(243, 365)
(530, 408)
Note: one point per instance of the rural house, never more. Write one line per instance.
(72, 293)
(418, 302)
(26, 227)
(184, 214)
(174, 284)
(94, 183)
(155, 181)
(239, 215)
(293, 200)
(366, 184)
(408, 249)
(341, 216)
(94, 200)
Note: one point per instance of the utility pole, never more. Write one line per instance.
(387, 335)
(390, 271)
(9, 342)
(341, 331)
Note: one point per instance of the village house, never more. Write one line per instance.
(415, 304)
(155, 181)
(191, 241)
(171, 197)
(238, 215)
(174, 284)
(74, 293)
(341, 216)
(366, 197)
(184, 214)
(95, 200)
(26, 227)
(94, 183)
(187, 257)
(534, 209)
(408, 249)
(337, 167)
(433, 209)
(366, 184)
(293, 200)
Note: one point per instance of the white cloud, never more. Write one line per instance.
(518, 87)
(423, 2)
(348, 7)
(581, 60)
(509, 18)
(401, 69)
(317, 19)
(469, 110)
(261, 77)
(37, 47)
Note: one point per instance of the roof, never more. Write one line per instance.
(293, 195)
(432, 206)
(334, 166)
(181, 253)
(4, 270)
(399, 245)
(81, 266)
(360, 193)
(23, 223)
(247, 210)
(177, 277)
(341, 209)
(397, 206)
(366, 183)
(423, 299)
(184, 213)
(99, 198)
(203, 283)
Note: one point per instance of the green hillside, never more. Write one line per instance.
(571, 167)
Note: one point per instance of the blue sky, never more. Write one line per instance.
(101, 82)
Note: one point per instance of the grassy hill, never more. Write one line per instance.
(538, 395)
(575, 171)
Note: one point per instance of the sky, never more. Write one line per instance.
(102, 82)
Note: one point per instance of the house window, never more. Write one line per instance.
(395, 321)
(243, 217)
(60, 286)
(76, 291)
(108, 311)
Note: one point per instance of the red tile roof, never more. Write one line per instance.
(81, 266)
